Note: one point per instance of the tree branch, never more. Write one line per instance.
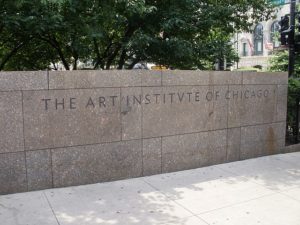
(54, 43)
(122, 59)
(129, 32)
(11, 54)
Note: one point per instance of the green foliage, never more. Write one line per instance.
(293, 105)
(183, 34)
(280, 62)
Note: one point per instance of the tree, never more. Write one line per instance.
(187, 34)
(280, 62)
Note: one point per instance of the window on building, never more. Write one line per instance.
(258, 39)
(245, 51)
(274, 34)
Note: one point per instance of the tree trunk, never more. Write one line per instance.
(129, 32)
(98, 59)
(122, 60)
(112, 57)
(54, 43)
(11, 54)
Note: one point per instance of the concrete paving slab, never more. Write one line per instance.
(275, 209)
(289, 158)
(259, 191)
(293, 193)
(271, 172)
(194, 220)
(124, 202)
(209, 193)
(26, 208)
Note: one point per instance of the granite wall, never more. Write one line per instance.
(71, 128)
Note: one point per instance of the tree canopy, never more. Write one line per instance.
(184, 34)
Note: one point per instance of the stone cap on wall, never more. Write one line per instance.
(55, 80)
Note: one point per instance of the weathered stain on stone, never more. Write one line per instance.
(271, 143)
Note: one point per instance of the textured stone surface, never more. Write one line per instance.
(219, 113)
(11, 123)
(39, 172)
(194, 77)
(258, 149)
(96, 163)
(282, 92)
(262, 140)
(233, 144)
(151, 77)
(265, 78)
(131, 113)
(216, 148)
(193, 150)
(177, 162)
(291, 148)
(12, 173)
(163, 119)
(183, 151)
(185, 77)
(103, 78)
(36, 80)
(251, 104)
(261, 133)
(83, 123)
(151, 156)
(226, 77)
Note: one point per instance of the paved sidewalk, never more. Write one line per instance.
(264, 191)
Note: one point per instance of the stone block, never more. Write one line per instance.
(262, 148)
(152, 156)
(183, 109)
(213, 156)
(177, 161)
(291, 148)
(185, 144)
(262, 133)
(193, 150)
(226, 77)
(12, 173)
(214, 152)
(281, 110)
(265, 78)
(182, 152)
(251, 104)
(39, 172)
(60, 118)
(233, 144)
(11, 122)
(261, 140)
(177, 110)
(103, 78)
(251, 150)
(217, 138)
(151, 77)
(12, 81)
(219, 113)
(186, 77)
(131, 113)
(96, 163)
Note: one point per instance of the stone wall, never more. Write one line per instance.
(71, 128)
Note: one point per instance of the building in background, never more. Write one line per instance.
(256, 48)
